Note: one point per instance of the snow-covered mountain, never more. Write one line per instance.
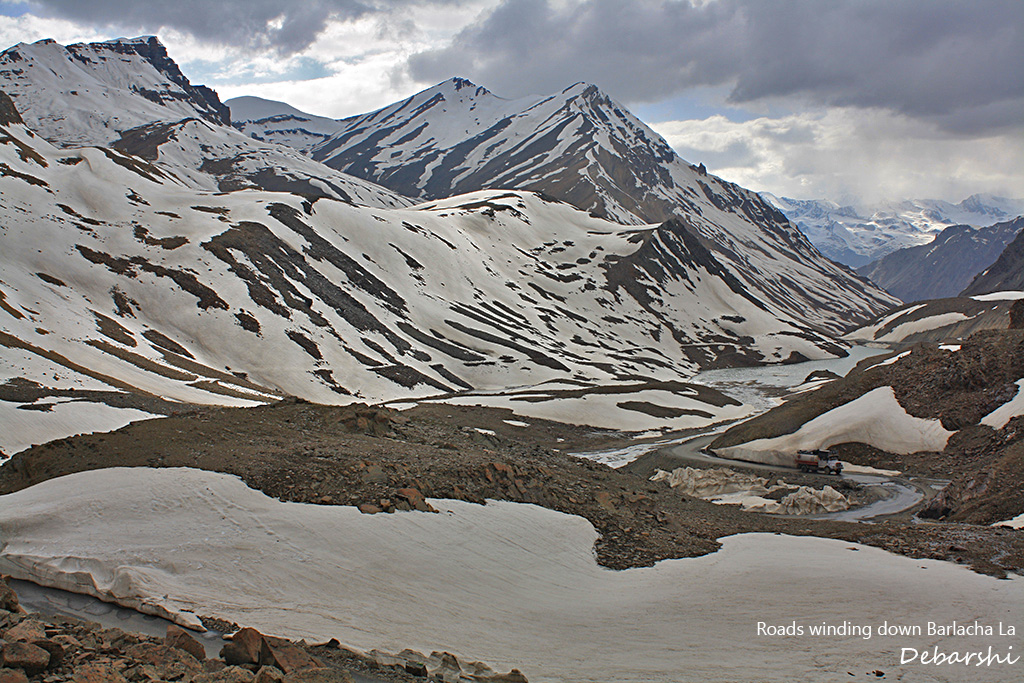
(274, 121)
(130, 95)
(115, 278)
(182, 260)
(858, 235)
(943, 267)
(581, 147)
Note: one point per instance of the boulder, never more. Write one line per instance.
(163, 662)
(26, 656)
(13, 676)
(97, 673)
(231, 674)
(415, 499)
(1017, 315)
(183, 640)
(55, 649)
(318, 675)
(269, 674)
(244, 647)
(29, 630)
(284, 655)
(8, 598)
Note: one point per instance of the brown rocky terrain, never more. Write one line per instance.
(382, 460)
(62, 649)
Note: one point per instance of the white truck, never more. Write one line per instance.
(818, 461)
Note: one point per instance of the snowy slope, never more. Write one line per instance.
(86, 94)
(938, 320)
(280, 122)
(857, 235)
(129, 94)
(115, 270)
(581, 147)
(876, 419)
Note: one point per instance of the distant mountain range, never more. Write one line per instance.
(944, 267)
(858, 235)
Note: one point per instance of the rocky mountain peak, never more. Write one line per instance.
(460, 83)
(103, 81)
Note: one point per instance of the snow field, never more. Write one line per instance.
(510, 584)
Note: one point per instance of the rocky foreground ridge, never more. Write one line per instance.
(65, 649)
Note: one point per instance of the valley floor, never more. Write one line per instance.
(511, 584)
(362, 456)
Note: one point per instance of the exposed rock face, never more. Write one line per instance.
(152, 50)
(87, 74)
(8, 112)
(1017, 315)
(1006, 274)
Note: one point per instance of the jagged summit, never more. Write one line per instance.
(130, 95)
(460, 83)
(88, 93)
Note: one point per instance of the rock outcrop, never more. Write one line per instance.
(67, 650)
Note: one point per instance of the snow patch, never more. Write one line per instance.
(876, 419)
(933, 322)
(24, 428)
(1015, 523)
(516, 585)
(888, 361)
(1000, 296)
(850, 468)
(728, 487)
(998, 418)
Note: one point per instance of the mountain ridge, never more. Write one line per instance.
(944, 267)
(581, 147)
(858, 235)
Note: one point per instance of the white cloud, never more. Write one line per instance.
(364, 58)
(29, 28)
(851, 154)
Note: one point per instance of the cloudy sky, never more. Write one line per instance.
(853, 100)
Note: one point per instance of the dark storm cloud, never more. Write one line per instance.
(243, 23)
(957, 63)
